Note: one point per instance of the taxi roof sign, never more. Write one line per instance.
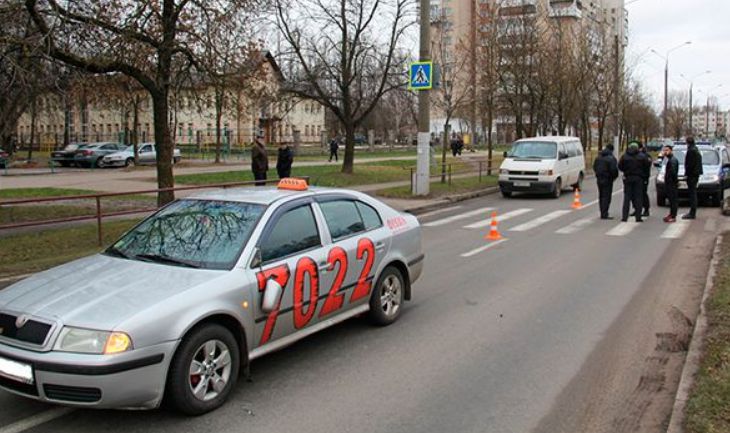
(293, 184)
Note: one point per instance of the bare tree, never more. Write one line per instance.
(147, 40)
(677, 114)
(345, 55)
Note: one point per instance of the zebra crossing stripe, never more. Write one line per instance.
(623, 229)
(576, 226)
(500, 218)
(676, 230)
(458, 217)
(537, 222)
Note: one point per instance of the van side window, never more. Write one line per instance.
(572, 151)
(578, 148)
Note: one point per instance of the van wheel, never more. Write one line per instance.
(204, 370)
(558, 188)
(579, 184)
(506, 194)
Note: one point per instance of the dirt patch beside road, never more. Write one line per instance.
(628, 383)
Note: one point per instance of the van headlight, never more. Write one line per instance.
(503, 171)
(91, 341)
(709, 178)
(545, 173)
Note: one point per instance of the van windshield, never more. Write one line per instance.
(534, 150)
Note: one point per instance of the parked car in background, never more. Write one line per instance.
(658, 144)
(65, 157)
(4, 158)
(147, 155)
(714, 180)
(92, 154)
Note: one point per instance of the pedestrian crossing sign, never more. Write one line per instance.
(420, 76)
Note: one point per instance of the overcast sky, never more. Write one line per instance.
(665, 24)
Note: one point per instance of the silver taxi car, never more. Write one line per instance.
(185, 300)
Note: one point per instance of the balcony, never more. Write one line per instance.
(566, 9)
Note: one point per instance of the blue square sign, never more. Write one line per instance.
(420, 76)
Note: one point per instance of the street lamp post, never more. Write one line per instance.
(691, 84)
(666, 81)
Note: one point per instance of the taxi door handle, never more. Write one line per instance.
(380, 246)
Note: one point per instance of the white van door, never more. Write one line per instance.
(563, 168)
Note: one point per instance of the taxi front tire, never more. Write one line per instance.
(386, 301)
(179, 393)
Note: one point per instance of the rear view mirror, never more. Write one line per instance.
(272, 296)
(506, 154)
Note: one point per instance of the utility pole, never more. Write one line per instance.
(666, 96)
(422, 184)
(617, 93)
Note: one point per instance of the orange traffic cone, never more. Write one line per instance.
(493, 232)
(576, 200)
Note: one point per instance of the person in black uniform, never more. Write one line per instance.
(284, 161)
(693, 171)
(671, 182)
(646, 177)
(633, 165)
(606, 169)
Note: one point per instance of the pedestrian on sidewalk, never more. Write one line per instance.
(693, 171)
(671, 182)
(606, 169)
(259, 160)
(284, 161)
(632, 164)
(334, 147)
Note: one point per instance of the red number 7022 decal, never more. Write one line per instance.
(307, 268)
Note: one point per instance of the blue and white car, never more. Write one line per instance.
(184, 301)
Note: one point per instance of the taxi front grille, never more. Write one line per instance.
(74, 394)
(32, 331)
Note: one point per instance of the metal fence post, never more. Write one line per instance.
(98, 219)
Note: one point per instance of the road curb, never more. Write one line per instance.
(694, 354)
(448, 200)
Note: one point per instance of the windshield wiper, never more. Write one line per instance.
(116, 252)
(164, 259)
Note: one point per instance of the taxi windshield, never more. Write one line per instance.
(534, 150)
(191, 233)
(709, 156)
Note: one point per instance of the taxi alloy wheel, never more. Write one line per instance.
(204, 370)
(386, 301)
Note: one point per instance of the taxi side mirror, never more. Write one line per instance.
(272, 296)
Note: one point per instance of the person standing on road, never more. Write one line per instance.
(693, 171)
(606, 169)
(671, 183)
(632, 164)
(334, 146)
(284, 161)
(259, 161)
(646, 177)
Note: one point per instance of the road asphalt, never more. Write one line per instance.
(570, 324)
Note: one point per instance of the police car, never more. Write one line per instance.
(185, 300)
(714, 180)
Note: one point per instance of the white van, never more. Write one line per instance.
(542, 165)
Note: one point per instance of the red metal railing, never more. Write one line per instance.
(99, 215)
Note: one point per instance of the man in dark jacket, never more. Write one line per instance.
(259, 161)
(284, 161)
(633, 164)
(334, 146)
(645, 177)
(693, 171)
(671, 182)
(606, 169)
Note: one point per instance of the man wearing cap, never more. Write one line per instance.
(259, 160)
(633, 165)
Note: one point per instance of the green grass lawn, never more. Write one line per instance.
(323, 175)
(20, 193)
(708, 409)
(33, 252)
(438, 189)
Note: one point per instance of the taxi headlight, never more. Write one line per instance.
(92, 341)
(709, 178)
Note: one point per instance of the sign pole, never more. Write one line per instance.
(421, 185)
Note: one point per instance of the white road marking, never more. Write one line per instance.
(623, 229)
(675, 230)
(576, 226)
(500, 218)
(479, 250)
(441, 222)
(439, 211)
(36, 420)
(537, 222)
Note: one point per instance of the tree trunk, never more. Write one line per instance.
(164, 144)
(33, 121)
(135, 130)
(218, 116)
(490, 144)
(446, 142)
(348, 161)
